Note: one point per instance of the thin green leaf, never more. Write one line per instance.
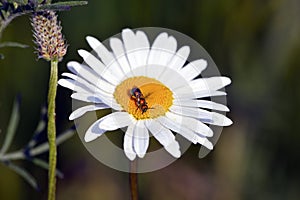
(22, 2)
(45, 146)
(45, 165)
(64, 136)
(61, 5)
(13, 44)
(40, 127)
(12, 127)
(22, 172)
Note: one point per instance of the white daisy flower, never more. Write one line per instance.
(150, 88)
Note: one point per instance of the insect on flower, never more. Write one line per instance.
(139, 98)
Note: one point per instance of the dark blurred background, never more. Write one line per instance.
(256, 43)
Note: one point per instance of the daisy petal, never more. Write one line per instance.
(162, 50)
(185, 132)
(93, 132)
(201, 85)
(164, 136)
(88, 86)
(106, 56)
(205, 142)
(174, 149)
(100, 49)
(82, 110)
(137, 47)
(91, 98)
(128, 143)
(115, 120)
(193, 69)
(185, 95)
(99, 67)
(90, 76)
(82, 86)
(200, 103)
(143, 46)
(175, 82)
(73, 85)
(140, 139)
(191, 123)
(179, 58)
(203, 115)
(118, 49)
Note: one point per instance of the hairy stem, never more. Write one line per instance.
(52, 129)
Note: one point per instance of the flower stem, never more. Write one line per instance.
(52, 129)
(133, 180)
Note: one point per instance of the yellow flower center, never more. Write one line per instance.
(153, 100)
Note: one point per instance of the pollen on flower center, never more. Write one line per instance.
(156, 97)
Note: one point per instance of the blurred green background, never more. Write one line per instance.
(256, 43)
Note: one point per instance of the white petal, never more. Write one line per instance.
(193, 69)
(170, 78)
(174, 149)
(153, 72)
(206, 84)
(80, 81)
(83, 71)
(164, 136)
(142, 47)
(82, 86)
(191, 123)
(93, 132)
(162, 50)
(92, 61)
(92, 98)
(115, 120)
(178, 128)
(128, 143)
(119, 52)
(81, 111)
(179, 58)
(107, 57)
(74, 85)
(200, 103)
(90, 76)
(185, 132)
(99, 67)
(140, 139)
(100, 49)
(90, 88)
(137, 47)
(203, 115)
(205, 142)
(185, 95)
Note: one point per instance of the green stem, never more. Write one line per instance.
(133, 180)
(52, 129)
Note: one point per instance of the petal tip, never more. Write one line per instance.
(88, 137)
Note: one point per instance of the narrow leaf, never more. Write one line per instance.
(45, 165)
(39, 129)
(17, 1)
(22, 172)
(13, 44)
(61, 5)
(12, 126)
(45, 146)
